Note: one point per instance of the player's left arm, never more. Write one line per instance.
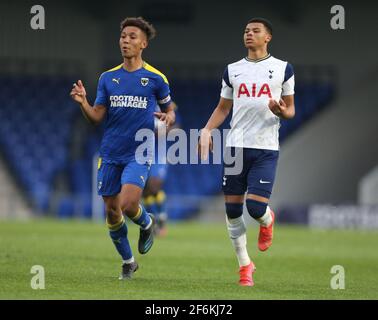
(169, 115)
(165, 102)
(284, 108)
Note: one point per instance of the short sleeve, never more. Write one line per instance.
(289, 81)
(227, 89)
(163, 93)
(102, 96)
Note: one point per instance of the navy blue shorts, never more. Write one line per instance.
(111, 176)
(257, 175)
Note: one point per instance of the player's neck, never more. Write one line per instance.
(132, 64)
(257, 54)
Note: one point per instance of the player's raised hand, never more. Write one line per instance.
(78, 92)
(166, 117)
(205, 144)
(278, 108)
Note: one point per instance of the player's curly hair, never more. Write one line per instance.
(140, 23)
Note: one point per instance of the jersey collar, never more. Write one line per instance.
(258, 60)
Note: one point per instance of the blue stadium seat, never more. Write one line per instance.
(66, 208)
(35, 131)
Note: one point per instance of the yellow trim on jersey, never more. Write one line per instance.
(152, 69)
(112, 69)
(115, 68)
(99, 163)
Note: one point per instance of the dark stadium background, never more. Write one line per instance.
(329, 150)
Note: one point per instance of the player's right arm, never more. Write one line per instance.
(219, 114)
(217, 118)
(93, 114)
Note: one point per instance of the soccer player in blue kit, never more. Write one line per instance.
(126, 99)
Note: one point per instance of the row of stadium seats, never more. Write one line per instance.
(36, 118)
(35, 121)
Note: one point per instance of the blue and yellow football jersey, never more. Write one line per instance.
(130, 99)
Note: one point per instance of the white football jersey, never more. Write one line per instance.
(250, 84)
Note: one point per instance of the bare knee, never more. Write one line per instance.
(112, 210)
(130, 207)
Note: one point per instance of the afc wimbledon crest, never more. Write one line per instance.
(144, 81)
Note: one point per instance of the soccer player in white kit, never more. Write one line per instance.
(260, 90)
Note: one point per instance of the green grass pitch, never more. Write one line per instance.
(195, 261)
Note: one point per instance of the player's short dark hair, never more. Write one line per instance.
(267, 24)
(140, 23)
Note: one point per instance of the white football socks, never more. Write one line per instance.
(237, 231)
(131, 260)
(240, 246)
(266, 219)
